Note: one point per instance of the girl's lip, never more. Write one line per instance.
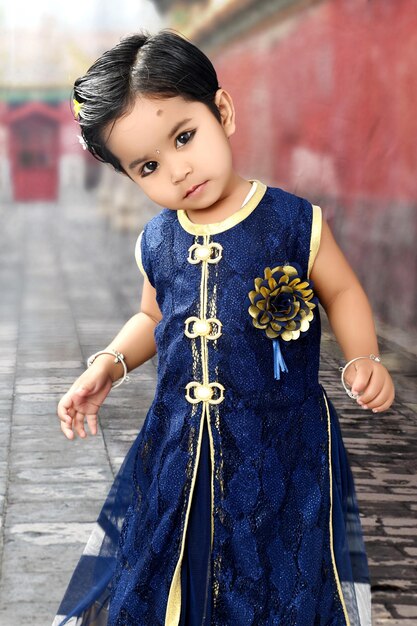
(195, 189)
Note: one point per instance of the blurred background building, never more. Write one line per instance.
(325, 93)
(43, 48)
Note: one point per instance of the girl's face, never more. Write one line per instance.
(177, 151)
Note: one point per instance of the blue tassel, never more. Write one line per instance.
(279, 363)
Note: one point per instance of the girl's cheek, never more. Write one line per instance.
(215, 151)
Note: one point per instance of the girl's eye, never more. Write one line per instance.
(184, 138)
(148, 168)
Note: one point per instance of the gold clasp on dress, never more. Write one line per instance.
(196, 327)
(213, 393)
(198, 253)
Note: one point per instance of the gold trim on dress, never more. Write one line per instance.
(138, 255)
(212, 474)
(315, 237)
(229, 222)
(173, 610)
(335, 572)
(207, 393)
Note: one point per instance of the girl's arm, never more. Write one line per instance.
(136, 342)
(350, 316)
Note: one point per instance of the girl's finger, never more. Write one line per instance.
(79, 425)
(383, 402)
(361, 379)
(64, 407)
(376, 384)
(378, 396)
(92, 423)
(66, 414)
(67, 429)
(386, 405)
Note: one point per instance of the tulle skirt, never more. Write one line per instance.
(86, 600)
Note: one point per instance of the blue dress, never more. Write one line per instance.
(235, 504)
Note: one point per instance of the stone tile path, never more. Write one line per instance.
(67, 284)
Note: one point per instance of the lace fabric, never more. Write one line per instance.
(287, 546)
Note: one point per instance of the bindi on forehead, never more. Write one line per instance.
(159, 112)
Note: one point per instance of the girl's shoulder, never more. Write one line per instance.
(292, 210)
(288, 203)
(158, 228)
(299, 222)
(150, 239)
(164, 218)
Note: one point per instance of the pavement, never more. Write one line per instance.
(68, 281)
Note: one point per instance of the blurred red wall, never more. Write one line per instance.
(326, 107)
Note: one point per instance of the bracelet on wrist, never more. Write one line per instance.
(118, 358)
(343, 369)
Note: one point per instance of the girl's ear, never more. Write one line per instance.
(223, 101)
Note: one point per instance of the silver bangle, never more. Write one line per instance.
(352, 395)
(119, 358)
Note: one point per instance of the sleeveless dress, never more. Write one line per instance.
(235, 505)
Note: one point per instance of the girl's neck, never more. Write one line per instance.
(229, 203)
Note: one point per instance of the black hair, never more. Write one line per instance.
(163, 65)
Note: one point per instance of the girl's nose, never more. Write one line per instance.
(180, 171)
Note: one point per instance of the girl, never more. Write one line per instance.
(235, 505)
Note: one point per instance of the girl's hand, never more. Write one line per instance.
(373, 383)
(83, 400)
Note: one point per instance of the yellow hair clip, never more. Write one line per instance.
(77, 107)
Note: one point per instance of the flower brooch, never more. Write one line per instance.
(282, 305)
